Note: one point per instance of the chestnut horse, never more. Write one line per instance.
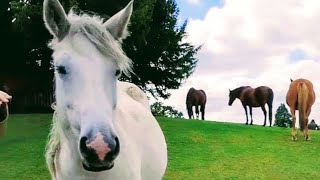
(196, 98)
(301, 97)
(253, 97)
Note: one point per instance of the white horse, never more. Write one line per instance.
(102, 128)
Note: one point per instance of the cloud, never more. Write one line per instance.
(251, 42)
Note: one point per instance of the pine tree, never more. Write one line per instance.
(163, 61)
(283, 117)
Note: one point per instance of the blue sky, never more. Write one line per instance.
(297, 55)
(196, 11)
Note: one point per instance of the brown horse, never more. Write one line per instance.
(196, 98)
(253, 97)
(301, 97)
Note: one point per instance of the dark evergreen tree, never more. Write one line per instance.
(162, 61)
(283, 117)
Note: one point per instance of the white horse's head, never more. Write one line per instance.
(88, 60)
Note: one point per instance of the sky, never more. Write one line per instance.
(250, 42)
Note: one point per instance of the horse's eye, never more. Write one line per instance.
(117, 72)
(61, 70)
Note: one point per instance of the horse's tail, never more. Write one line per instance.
(303, 94)
(270, 102)
(205, 95)
(189, 100)
(189, 96)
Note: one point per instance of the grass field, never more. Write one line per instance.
(197, 150)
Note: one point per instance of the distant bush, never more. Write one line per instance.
(283, 117)
(159, 109)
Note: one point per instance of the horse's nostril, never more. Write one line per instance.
(117, 148)
(83, 144)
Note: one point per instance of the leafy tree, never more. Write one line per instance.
(159, 109)
(283, 117)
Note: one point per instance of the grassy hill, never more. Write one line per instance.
(197, 150)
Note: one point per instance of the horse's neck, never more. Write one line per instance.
(239, 93)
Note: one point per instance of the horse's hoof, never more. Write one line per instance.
(264, 125)
(294, 138)
(308, 139)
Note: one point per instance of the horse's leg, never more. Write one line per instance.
(306, 133)
(265, 115)
(189, 114)
(270, 113)
(250, 108)
(197, 111)
(294, 131)
(190, 111)
(305, 130)
(245, 109)
(192, 115)
(202, 109)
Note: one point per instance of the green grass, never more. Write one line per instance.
(197, 150)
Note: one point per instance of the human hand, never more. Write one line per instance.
(4, 97)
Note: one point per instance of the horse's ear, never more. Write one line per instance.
(291, 80)
(55, 19)
(229, 90)
(118, 23)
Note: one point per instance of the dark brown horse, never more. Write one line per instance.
(253, 97)
(196, 98)
(301, 97)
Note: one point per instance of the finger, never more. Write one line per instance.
(3, 99)
(7, 96)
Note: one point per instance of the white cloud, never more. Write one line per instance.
(249, 42)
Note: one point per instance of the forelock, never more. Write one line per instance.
(92, 28)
